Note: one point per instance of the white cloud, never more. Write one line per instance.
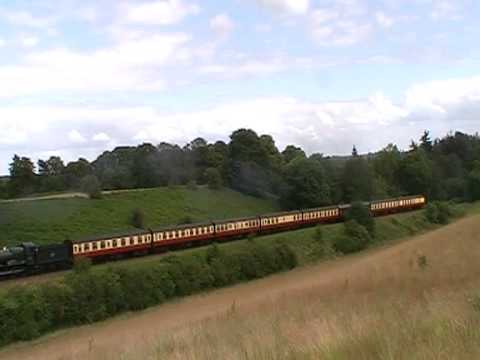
(263, 28)
(446, 9)
(439, 96)
(342, 33)
(222, 24)
(29, 40)
(384, 20)
(340, 24)
(2, 42)
(24, 18)
(290, 6)
(75, 137)
(89, 14)
(246, 66)
(328, 127)
(102, 137)
(161, 12)
(134, 65)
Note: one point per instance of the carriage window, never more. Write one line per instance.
(114, 242)
(94, 245)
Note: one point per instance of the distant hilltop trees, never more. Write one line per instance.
(446, 168)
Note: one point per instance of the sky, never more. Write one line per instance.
(78, 77)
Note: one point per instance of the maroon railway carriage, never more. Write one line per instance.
(391, 206)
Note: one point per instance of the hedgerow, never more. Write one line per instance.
(88, 295)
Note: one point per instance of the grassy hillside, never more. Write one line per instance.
(45, 221)
(417, 299)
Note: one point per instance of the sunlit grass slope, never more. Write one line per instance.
(417, 300)
(45, 221)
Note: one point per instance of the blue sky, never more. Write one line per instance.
(78, 77)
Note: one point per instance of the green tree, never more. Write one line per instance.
(357, 180)
(416, 173)
(291, 152)
(355, 237)
(426, 142)
(306, 184)
(22, 176)
(77, 170)
(51, 173)
(386, 165)
(54, 166)
(360, 213)
(354, 151)
(144, 166)
(214, 179)
(474, 182)
(91, 186)
(245, 145)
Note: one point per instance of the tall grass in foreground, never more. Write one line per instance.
(415, 302)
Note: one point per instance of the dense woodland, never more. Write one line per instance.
(446, 168)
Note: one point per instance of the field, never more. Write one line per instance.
(48, 221)
(414, 299)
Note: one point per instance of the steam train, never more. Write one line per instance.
(28, 258)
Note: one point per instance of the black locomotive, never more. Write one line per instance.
(30, 258)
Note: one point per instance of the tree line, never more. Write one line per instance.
(445, 168)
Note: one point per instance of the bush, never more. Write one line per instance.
(438, 212)
(360, 213)
(138, 219)
(318, 235)
(192, 185)
(3, 190)
(322, 248)
(91, 186)
(214, 179)
(82, 265)
(88, 295)
(422, 262)
(186, 220)
(355, 237)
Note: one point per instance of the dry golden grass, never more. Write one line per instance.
(411, 302)
(408, 301)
